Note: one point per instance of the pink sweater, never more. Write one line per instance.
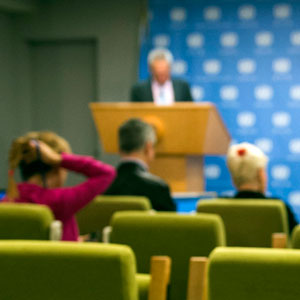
(66, 202)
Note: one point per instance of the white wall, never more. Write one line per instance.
(9, 116)
(115, 26)
(113, 23)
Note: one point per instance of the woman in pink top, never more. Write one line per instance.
(43, 159)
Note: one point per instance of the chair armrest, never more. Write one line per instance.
(106, 234)
(55, 231)
(197, 280)
(279, 240)
(160, 271)
(143, 283)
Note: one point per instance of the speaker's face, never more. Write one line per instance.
(160, 69)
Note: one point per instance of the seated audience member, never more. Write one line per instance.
(136, 146)
(247, 166)
(161, 88)
(43, 159)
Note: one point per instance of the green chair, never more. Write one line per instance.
(28, 222)
(177, 236)
(295, 241)
(59, 270)
(248, 223)
(96, 216)
(68, 270)
(254, 273)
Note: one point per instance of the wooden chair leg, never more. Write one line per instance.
(197, 278)
(279, 240)
(160, 277)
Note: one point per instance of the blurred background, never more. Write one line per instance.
(56, 56)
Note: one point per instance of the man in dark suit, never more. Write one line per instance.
(136, 143)
(161, 88)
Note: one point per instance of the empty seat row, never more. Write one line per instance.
(248, 223)
(178, 236)
(67, 270)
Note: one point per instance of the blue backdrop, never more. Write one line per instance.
(244, 56)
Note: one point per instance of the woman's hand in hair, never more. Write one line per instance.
(48, 155)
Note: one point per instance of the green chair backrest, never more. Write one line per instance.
(296, 237)
(25, 221)
(248, 223)
(66, 270)
(254, 273)
(97, 214)
(177, 236)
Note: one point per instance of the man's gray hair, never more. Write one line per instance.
(160, 53)
(134, 134)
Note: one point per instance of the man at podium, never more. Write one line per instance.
(161, 88)
(136, 145)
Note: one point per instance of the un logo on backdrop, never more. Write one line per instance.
(281, 65)
(246, 119)
(264, 39)
(178, 14)
(246, 66)
(179, 67)
(229, 93)
(282, 11)
(263, 92)
(295, 92)
(281, 119)
(294, 146)
(294, 198)
(197, 92)
(247, 12)
(195, 40)
(212, 66)
(265, 144)
(295, 38)
(212, 13)
(212, 171)
(280, 172)
(161, 41)
(229, 39)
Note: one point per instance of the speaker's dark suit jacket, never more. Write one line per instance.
(133, 179)
(142, 91)
(256, 195)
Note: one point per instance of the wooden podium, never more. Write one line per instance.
(186, 132)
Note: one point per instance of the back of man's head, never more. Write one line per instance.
(134, 134)
(244, 161)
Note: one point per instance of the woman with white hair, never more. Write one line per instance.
(247, 165)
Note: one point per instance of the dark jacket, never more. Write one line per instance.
(142, 91)
(133, 179)
(256, 195)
